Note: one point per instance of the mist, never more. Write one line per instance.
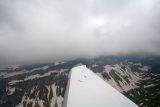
(50, 30)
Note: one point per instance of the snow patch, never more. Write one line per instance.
(11, 90)
(147, 86)
(144, 68)
(124, 85)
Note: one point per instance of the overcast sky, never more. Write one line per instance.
(48, 30)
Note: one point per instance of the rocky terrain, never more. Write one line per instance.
(43, 85)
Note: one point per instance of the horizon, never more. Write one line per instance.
(82, 58)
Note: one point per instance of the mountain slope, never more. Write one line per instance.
(38, 85)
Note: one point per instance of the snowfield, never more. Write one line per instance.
(86, 89)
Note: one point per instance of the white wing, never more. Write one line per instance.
(86, 89)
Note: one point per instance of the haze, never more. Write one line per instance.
(48, 30)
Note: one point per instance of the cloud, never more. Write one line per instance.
(40, 31)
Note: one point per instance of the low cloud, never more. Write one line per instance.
(48, 30)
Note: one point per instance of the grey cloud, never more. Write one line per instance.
(40, 31)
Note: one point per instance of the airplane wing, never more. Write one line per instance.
(86, 89)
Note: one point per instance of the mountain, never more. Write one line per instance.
(37, 85)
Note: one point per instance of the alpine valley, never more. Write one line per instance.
(44, 85)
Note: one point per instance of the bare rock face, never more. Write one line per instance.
(44, 85)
